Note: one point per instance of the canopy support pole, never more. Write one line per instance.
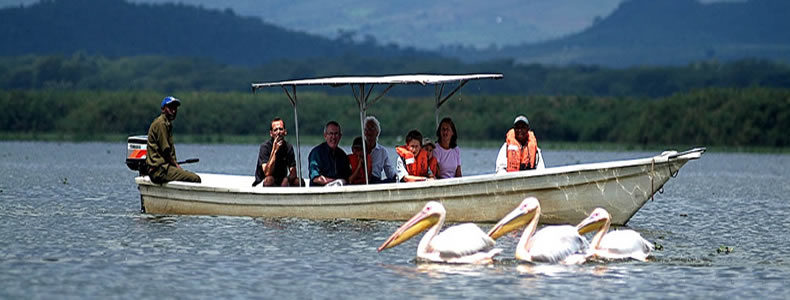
(362, 104)
(294, 102)
(440, 101)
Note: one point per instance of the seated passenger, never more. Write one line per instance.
(328, 164)
(447, 154)
(383, 171)
(428, 146)
(520, 150)
(276, 160)
(357, 164)
(414, 164)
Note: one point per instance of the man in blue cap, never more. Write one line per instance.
(161, 157)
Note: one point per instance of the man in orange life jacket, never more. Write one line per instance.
(414, 163)
(520, 150)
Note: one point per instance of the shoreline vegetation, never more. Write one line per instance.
(309, 141)
(734, 106)
(730, 119)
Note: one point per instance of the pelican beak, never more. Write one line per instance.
(590, 224)
(516, 219)
(412, 227)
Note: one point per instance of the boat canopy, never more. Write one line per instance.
(423, 79)
(362, 94)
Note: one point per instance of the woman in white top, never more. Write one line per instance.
(447, 153)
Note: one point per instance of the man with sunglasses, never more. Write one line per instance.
(276, 160)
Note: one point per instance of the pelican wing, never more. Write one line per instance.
(461, 240)
(555, 243)
(625, 243)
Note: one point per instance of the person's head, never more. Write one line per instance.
(277, 128)
(332, 134)
(372, 131)
(170, 106)
(427, 144)
(446, 132)
(414, 141)
(356, 146)
(521, 129)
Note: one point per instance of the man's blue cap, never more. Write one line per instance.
(169, 99)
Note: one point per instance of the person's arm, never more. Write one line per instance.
(356, 173)
(268, 168)
(458, 169)
(389, 169)
(501, 160)
(413, 178)
(323, 180)
(344, 169)
(172, 161)
(291, 164)
(314, 163)
(403, 174)
(163, 144)
(291, 173)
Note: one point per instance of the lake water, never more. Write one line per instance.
(70, 227)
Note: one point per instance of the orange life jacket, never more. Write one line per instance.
(417, 166)
(518, 155)
(353, 160)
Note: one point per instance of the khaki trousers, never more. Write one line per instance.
(166, 173)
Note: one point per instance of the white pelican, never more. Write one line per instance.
(460, 244)
(618, 244)
(552, 244)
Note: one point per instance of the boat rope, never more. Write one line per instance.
(672, 174)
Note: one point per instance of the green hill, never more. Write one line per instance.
(116, 28)
(667, 32)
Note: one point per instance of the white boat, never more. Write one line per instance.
(567, 193)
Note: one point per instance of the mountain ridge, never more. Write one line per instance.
(638, 32)
(669, 32)
(118, 28)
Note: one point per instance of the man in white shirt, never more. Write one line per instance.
(382, 170)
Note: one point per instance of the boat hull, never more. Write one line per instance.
(567, 194)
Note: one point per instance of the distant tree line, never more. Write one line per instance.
(167, 74)
(753, 116)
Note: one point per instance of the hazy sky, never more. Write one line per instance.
(420, 23)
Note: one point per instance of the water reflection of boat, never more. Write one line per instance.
(566, 193)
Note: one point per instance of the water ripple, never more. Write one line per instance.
(70, 230)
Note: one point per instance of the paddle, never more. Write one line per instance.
(189, 161)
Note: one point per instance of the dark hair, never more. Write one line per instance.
(275, 120)
(357, 142)
(414, 134)
(453, 139)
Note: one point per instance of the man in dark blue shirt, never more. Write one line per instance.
(328, 164)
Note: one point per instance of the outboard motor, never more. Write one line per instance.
(136, 150)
